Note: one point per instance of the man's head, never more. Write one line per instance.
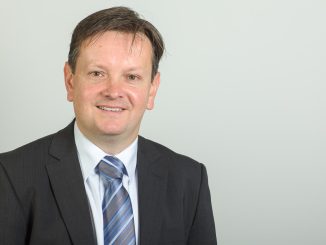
(111, 75)
(120, 19)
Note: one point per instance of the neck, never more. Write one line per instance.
(111, 144)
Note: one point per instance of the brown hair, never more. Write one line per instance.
(120, 19)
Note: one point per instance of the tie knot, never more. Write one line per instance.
(112, 168)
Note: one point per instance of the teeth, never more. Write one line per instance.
(110, 109)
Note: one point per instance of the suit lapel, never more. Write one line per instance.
(152, 179)
(68, 187)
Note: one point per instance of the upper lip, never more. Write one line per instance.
(112, 106)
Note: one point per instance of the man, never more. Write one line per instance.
(96, 181)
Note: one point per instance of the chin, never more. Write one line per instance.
(111, 131)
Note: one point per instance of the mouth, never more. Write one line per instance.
(112, 109)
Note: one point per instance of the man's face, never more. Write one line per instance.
(112, 87)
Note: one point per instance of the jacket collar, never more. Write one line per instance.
(152, 180)
(67, 183)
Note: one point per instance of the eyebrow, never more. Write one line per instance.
(103, 67)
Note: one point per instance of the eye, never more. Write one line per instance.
(132, 77)
(96, 74)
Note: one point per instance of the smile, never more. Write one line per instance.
(109, 109)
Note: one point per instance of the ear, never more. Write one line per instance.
(69, 82)
(153, 90)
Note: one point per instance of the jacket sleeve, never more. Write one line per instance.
(203, 227)
(12, 220)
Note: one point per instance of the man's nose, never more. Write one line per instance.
(113, 88)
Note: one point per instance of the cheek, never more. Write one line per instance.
(139, 98)
(86, 93)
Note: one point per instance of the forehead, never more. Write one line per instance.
(113, 42)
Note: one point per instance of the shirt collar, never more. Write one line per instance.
(90, 155)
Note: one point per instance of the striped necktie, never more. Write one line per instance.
(118, 218)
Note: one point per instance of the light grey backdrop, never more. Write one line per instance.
(243, 91)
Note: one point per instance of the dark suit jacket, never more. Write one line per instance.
(43, 198)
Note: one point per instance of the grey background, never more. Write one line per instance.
(242, 91)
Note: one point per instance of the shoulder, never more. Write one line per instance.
(165, 151)
(31, 153)
(29, 149)
(177, 164)
(37, 151)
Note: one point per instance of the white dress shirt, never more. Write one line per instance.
(89, 156)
